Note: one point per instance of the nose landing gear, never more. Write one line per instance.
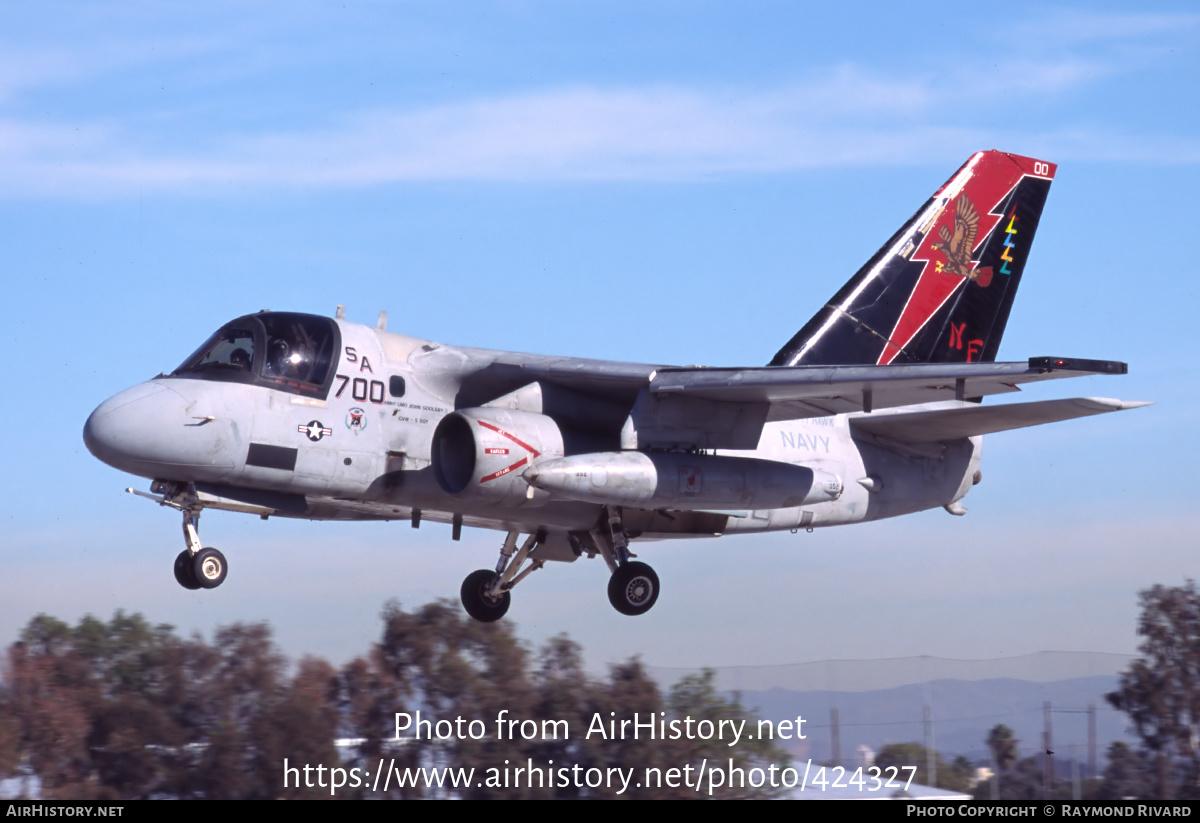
(195, 567)
(184, 574)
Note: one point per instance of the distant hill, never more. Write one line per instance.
(963, 711)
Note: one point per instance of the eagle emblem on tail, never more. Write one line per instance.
(958, 244)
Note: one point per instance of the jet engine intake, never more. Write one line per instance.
(480, 453)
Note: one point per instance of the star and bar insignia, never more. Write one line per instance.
(314, 430)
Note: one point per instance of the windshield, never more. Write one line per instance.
(229, 348)
(297, 348)
(282, 350)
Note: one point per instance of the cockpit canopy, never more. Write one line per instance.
(280, 350)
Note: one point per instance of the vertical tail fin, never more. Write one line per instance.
(940, 290)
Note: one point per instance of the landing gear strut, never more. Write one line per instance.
(485, 594)
(633, 587)
(197, 568)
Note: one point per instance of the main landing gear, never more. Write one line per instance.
(485, 594)
(480, 599)
(632, 588)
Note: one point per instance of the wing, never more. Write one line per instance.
(819, 391)
(718, 408)
(943, 425)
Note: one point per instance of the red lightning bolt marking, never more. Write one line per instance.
(519, 442)
(989, 181)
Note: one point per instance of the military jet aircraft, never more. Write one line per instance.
(872, 410)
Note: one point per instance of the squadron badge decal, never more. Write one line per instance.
(356, 420)
(958, 244)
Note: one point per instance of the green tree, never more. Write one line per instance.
(124, 709)
(696, 697)
(564, 692)
(446, 666)
(89, 710)
(1128, 775)
(1021, 781)
(1003, 745)
(958, 775)
(304, 725)
(628, 691)
(1161, 690)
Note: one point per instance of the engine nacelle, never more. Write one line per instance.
(480, 453)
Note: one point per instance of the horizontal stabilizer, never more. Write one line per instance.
(964, 421)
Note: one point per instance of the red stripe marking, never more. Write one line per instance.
(505, 471)
(513, 438)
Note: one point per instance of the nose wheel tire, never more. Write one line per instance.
(209, 568)
(476, 600)
(183, 571)
(633, 588)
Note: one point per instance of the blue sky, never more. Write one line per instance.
(661, 182)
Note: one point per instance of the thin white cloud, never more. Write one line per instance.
(564, 134)
(847, 116)
(1061, 26)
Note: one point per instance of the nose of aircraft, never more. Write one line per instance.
(153, 430)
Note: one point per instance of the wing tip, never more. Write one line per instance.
(1113, 404)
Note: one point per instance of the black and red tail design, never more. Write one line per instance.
(942, 287)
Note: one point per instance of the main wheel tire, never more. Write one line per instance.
(184, 575)
(478, 603)
(209, 568)
(633, 588)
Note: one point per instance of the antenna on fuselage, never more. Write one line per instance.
(340, 314)
(381, 324)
